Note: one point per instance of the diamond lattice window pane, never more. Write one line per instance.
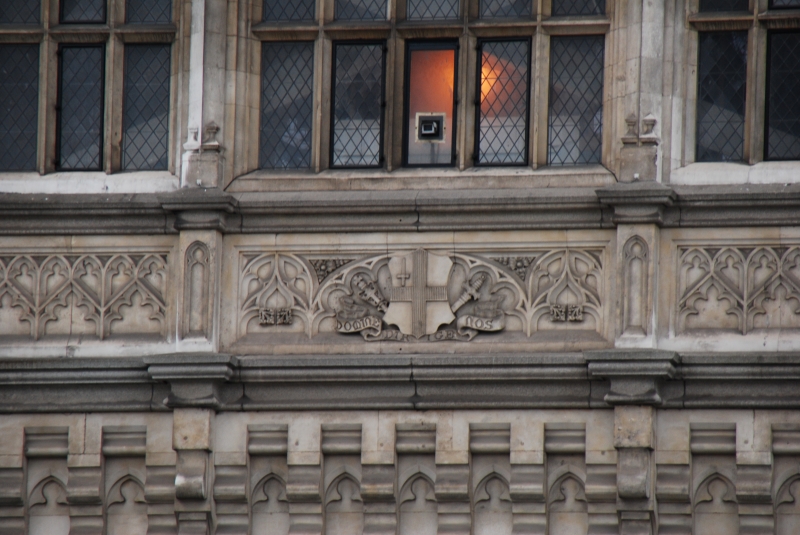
(783, 102)
(714, 6)
(361, 10)
(20, 11)
(575, 122)
(505, 9)
(283, 10)
(357, 105)
(92, 11)
(80, 120)
(432, 9)
(287, 101)
(503, 111)
(145, 117)
(19, 98)
(721, 84)
(784, 4)
(565, 8)
(148, 11)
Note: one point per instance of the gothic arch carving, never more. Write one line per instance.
(417, 506)
(635, 286)
(344, 508)
(787, 506)
(270, 507)
(126, 509)
(492, 501)
(48, 509)
(567, 506)
(197, 311)
(715, 509)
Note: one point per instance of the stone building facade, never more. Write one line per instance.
(256, 279)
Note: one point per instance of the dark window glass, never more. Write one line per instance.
(721, 83)
(784, 4)
(361, 10)
(505, 9)
(783, 97)
(564, 8)
(80, 108)
(19, 97)
(145, 119)
(502, 136)
(92, 11)
(288, 10)
(20, 11)
(148, 12)
(357, 105)
(430, 103)
(575, 123)
(432, 9)
(287, 92)
(713, 6)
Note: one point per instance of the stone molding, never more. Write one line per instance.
(426, 210)
(593, 379)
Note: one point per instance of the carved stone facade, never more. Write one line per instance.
(223, 349)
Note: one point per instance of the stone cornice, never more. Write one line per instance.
(595, 379)
(405, 210)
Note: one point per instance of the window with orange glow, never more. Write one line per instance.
(430, 103)
(502, 123)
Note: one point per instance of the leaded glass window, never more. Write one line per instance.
(575, 120)
(20, 11)
(432, 9)
(83, 11)
(505, 9)
(357, 132)
(784, 4)
(716, 6)
(148, 11)
(19, 97)
(502, 123)
(721, 87)
(783, 96)
(287, 92)
(80, 107)
(562, 8)
(275, 10)
(145, 120)
(361, 10)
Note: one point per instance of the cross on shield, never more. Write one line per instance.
(418, 304)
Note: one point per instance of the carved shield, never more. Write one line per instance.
(419, 304)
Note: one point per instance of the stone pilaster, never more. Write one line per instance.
(192, 440)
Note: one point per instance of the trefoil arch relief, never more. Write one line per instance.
(423, 294)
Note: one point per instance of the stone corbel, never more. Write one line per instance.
(194, 379)
(201, 208)
(638, 202)
(636, 375)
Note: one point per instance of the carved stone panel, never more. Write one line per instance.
(422, 295)
(91, 294)
(635, 287)
(738, 289)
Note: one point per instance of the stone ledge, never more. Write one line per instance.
(568, 380)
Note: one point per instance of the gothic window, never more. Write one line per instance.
(107, 104)
(19, 100)
(371, 84)
(748, 73)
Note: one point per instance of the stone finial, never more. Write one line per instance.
(631, 137)
(648, 136)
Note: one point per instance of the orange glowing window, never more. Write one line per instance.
(430, 103)
(502, 121)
